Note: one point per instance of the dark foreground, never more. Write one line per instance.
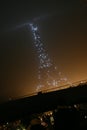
(64, 109)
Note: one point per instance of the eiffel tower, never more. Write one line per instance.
(48, 74)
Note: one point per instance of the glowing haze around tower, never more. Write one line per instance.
(48, 74)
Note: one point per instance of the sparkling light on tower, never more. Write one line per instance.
(48, 75)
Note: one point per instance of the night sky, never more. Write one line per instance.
(63, 30)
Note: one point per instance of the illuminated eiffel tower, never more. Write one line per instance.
(48, 74)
